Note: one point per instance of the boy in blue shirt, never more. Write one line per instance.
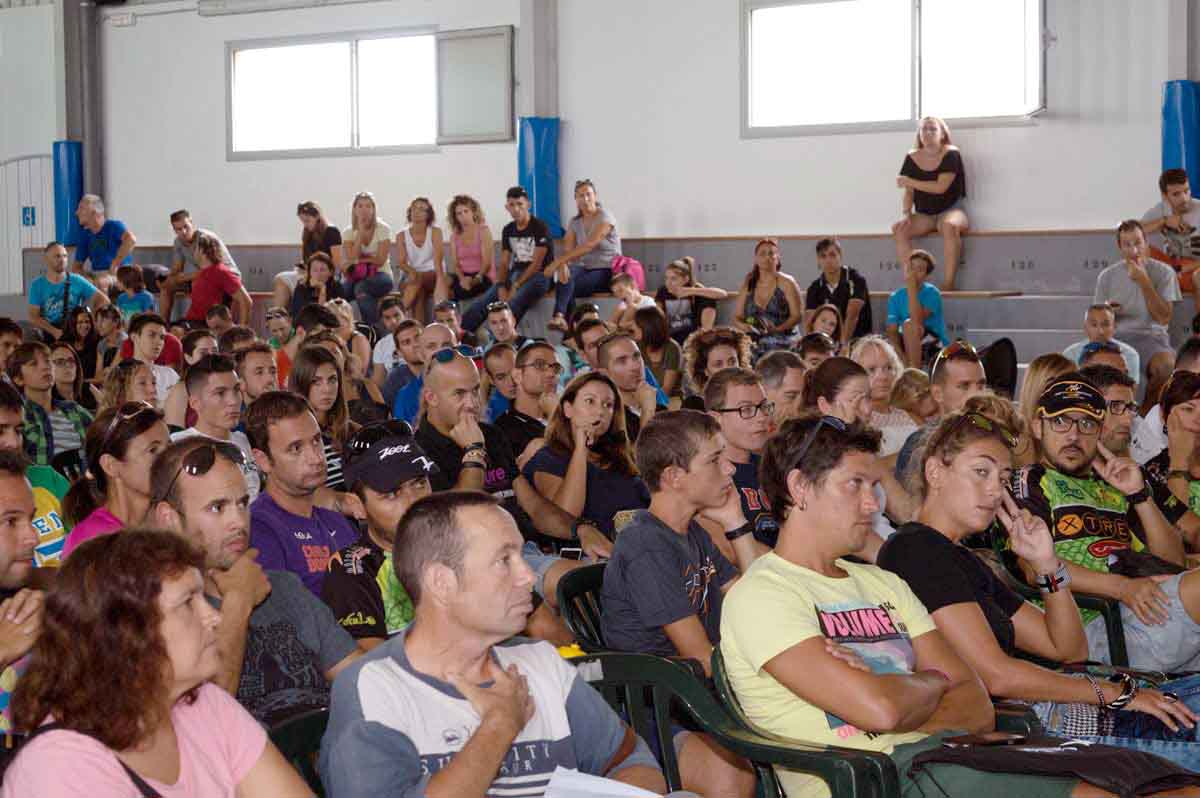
(134, 298)
(103, 243)
(921, 299)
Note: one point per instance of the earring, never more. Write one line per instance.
(803, 505)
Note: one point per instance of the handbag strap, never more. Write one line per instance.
(145, 789)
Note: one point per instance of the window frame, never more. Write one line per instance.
(352, 38)
(748, 7)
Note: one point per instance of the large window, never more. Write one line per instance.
(381, 92)
(815, 66)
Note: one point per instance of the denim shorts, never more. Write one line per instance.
(539, 563)
(1172, 647)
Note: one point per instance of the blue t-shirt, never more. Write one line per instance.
(100, 248)
(607, 491)
(48, 296)
(408, 399)
(130, 306)
(930, 298)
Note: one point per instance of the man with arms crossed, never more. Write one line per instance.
(442, 710)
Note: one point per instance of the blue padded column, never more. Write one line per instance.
(68, 189)
(537, 168)
(1181, 126)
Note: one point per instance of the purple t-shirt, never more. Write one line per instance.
(290, 542)
(99, 522)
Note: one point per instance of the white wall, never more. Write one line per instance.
(164, 109)
(648, 93)
(650, 104)
(28, 86)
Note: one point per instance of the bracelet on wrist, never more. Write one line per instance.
(578, 522)
(1129, 690)
(1180, 472)
(1142, 495)
(1101, 701)
(474, 464)
(744, 529)
(1052, 583)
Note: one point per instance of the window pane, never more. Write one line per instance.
(397, 91)
(980, 57)
(291, 98)
(829, 63)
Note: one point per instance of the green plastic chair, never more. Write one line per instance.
(642, 687)
(579, 604)
(299, 740)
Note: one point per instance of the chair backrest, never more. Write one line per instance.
(299, 740)
(579, 605)
(370, 332)
(69, 464)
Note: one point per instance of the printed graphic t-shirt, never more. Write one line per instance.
(870, 611)
(290, 542)
(364, 593)
(754, 502)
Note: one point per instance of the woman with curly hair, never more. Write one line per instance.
(117, 695)
(317, 377)
(705, 353)
(128, 381)
(586, 467)
(420, 258)
(769, 303)
(471, 249)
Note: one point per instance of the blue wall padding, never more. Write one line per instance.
(68, 189)
(537, 168)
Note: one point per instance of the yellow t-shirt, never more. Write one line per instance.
(777, 605)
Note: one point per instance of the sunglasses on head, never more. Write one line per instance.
(126, 412)
(277, 313)
(199, 461)
(449, 353)
(496, 307)
(372, 434)
(833, 422)
(446, 304)
(956, 349)
(982, 422)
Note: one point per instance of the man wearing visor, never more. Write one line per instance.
(1111, 538)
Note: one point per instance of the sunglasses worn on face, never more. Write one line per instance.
(199, 461)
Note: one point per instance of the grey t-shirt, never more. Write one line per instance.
(292, 640)
(1182, 243)
(187, 253)
(609, 247)
(1114, 285)
(657, 576)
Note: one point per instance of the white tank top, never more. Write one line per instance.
(420, 258)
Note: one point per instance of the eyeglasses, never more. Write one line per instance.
(496, 307)
(1119, 407)
(199, 461)
(1063, 423)
(62, 362)
(541, 365)
(959, 347)
(126, 412)
(446, 304)
(372, 434)
(747, 412)
(833, 422)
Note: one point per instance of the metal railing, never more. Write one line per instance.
(26, 214)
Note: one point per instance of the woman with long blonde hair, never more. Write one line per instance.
(367, 256)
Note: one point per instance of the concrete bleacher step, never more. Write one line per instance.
(1029, 343)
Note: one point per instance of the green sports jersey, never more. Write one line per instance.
(1088, 518)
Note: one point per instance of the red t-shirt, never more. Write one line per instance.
(171, 355)
(211, 285)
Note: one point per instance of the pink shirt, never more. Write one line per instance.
(219, 743)
(99, 522)
(469, 256)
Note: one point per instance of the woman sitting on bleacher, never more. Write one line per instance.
(584, 267)
(196, 344)
(118, 688)
(366, 256)
(586, 467)
(963, 476)
(80, 332)
(319, 283)
(659, 350)
(705, 353)
(472, 250)
(128, 381)
(364, 401)
(689, 305)
(826, 319)
(421, 263)
(115, 490)
(935, 184)
(68, 377)
(769, 305)
(317, 376)
(354, 341)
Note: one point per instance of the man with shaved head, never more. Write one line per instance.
(434, 337)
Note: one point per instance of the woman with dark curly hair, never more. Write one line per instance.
(117, 695)
(586, 467)
(706, 352)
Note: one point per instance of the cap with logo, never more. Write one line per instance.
(1066, 395)
(389, 463)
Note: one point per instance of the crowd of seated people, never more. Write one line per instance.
(368, 505)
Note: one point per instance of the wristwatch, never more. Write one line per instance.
(578, 522)
(744, 529)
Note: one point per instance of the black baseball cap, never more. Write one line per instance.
(388, 463)
(1069, 394)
